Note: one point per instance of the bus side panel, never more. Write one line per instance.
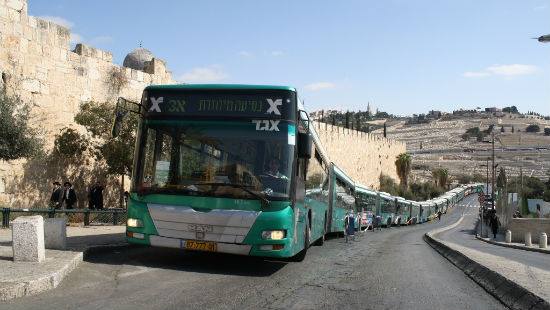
(319, 210)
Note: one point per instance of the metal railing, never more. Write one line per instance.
(88, 217)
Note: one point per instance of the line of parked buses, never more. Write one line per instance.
(394, 210)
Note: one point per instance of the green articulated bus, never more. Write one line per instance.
(233, 169)
(387, 209)
(367, 201)
(342, 188)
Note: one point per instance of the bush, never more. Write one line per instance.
(17, 138)
(547, 131)
(532, 128)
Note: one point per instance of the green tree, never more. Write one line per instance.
(17, 138)
(117, 152)
(512, 109)
(532, 128)
(388, 185)
(440, 177)
(403, 166)
(70, 144)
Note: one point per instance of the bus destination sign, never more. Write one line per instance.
(278, 105)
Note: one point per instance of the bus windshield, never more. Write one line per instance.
(215, 158)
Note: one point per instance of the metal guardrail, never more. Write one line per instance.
(106, 216)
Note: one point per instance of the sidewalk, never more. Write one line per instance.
(500, 241)
(519, 279)
(23, 279)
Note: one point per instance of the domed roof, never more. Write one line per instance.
(137, 58)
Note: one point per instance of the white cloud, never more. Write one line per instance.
(277, 53)
(58, 20)
(541, 7)
(320, 86)
(101, 40)
(208, 74)
(76, 38)
(510, 70)
(475, 74)
(503, 70)
(245, 54)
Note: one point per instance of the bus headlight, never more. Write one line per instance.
(134, 223)
(273, 234)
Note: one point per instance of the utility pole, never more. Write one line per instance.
(521, 188)
(493, 176)
(487, 187)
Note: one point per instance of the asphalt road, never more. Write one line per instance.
(464, 234)
(389, 269)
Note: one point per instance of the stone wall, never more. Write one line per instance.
(38, 64)
(361, 155)
(519, 226)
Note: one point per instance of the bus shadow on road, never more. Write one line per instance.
(189, 261)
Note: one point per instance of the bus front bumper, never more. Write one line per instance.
(230, 248)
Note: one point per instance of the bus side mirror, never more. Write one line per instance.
(304, 145)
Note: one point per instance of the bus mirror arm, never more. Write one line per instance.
(123, 106)
(304, 145)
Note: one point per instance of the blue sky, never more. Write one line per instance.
(403, 56)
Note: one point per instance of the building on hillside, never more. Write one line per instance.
(433, 114)
(493, 109)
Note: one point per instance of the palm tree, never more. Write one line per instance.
(441, 177)
(403, 167)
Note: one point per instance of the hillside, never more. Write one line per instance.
(439, 143)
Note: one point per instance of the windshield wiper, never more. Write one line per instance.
(265, 202)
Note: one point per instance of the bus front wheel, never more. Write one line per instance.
(302, 254)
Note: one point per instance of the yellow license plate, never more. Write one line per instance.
(201, 246)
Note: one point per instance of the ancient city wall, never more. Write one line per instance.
(38, 64)
(361, 155)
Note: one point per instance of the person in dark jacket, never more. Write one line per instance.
(349, 226)
(57, 195)
(95, 196)
(495, 223)
(69, 196)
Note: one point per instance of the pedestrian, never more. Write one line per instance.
(95, 196)
(69, 195)
(495, 223)
(57, 196)
(349, 222)
(126, 197)
(378, 222)
(439, 215)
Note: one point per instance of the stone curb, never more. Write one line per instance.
(514, 246)
(12, 290)
(509, 293)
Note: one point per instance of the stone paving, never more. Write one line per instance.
(25, 278)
